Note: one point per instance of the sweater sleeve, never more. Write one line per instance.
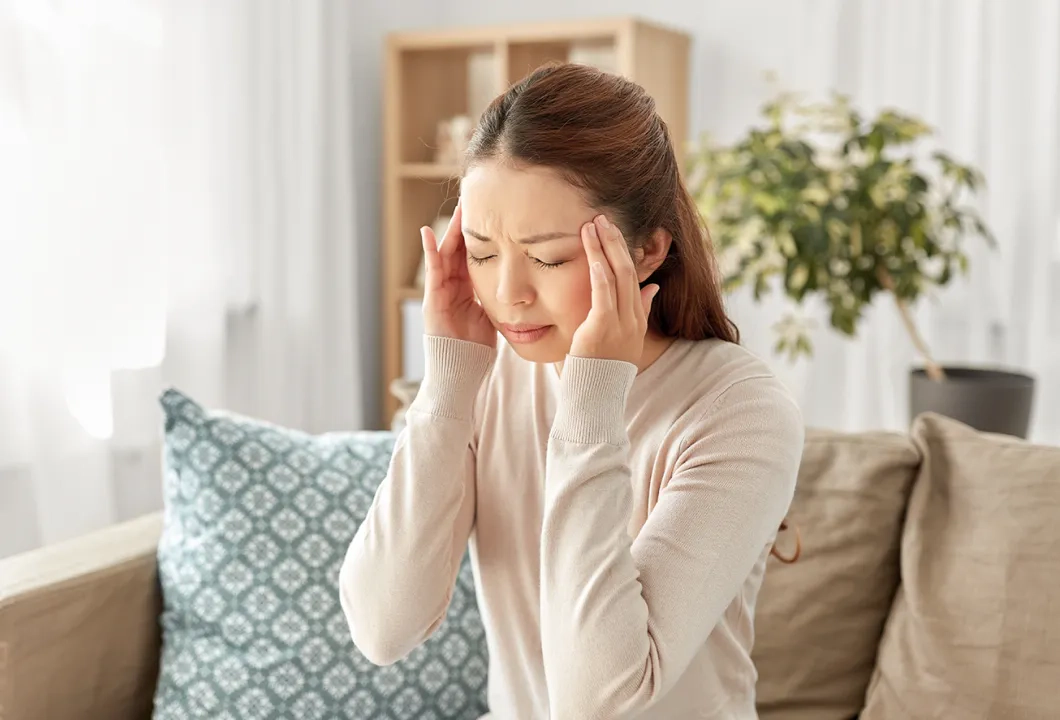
(399, 571)
(621, 620)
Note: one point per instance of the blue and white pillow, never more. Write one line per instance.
(257, 522)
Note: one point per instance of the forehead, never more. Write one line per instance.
(518, 201)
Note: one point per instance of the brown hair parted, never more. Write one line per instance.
(602, 132)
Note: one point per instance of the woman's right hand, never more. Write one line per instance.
(449, 305)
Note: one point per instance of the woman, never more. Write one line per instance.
(619, 464)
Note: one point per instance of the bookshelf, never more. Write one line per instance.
(432, 76)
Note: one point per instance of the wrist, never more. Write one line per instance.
(453, 372)
(593, 394)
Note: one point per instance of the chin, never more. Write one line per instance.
(546, 350)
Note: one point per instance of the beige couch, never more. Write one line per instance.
(928, 587)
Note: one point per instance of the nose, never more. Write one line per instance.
(513, 287)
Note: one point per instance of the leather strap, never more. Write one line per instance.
(789, 559)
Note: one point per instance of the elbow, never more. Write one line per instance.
(372, 630)
(596, 699)
(588, 707)
(586, 711)
(620, 691)
(377, 651)
(377, 647)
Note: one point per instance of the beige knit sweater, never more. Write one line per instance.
(619, 525)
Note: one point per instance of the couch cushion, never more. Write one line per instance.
(61, 657)
(975, 629)
(819, 620)
(257, 520)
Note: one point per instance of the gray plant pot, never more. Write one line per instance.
(988, 400)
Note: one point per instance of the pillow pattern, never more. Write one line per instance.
(257, 520)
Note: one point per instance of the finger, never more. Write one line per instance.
(600, 275)
(626, 285)
(453, 240)
(433, 275)
(647, 297)
(461, 268)
(602, 292)
(451, 247)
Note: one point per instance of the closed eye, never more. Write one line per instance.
(543, 264)
(474, 260)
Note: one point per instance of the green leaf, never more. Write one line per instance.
(946, 274)
(761, 287)
(768, 204)
(797, 277)
(843, 320)
(823, 197)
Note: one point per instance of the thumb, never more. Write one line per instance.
(647, 296)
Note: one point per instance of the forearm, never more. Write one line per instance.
(600, 657)
(398, 574)
(596, 638)
(621, 619)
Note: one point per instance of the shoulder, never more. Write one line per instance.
(714, 372)
(745, 432)
(736, 394)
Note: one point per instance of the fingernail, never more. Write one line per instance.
(604, 223)
(592, 231)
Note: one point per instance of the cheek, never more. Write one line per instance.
(564, 293)
(482, 283)
(569, 296)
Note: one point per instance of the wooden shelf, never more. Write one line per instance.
(429, 171)
(409, 293)
(434, 75)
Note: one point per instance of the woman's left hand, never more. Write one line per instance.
(618, 319)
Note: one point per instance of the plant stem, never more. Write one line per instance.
(933, 369)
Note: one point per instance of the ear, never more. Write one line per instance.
(651, 255)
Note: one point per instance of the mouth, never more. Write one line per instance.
(524, 333)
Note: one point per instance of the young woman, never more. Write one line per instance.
(618, 463)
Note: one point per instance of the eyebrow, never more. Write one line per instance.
(533, 239)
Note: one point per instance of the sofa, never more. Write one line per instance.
(927, 586)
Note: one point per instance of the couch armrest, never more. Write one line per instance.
(79, 626)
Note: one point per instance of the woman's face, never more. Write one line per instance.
(522, 228)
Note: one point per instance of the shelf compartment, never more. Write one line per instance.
(438, 85)
(524, 57)
(424, 202)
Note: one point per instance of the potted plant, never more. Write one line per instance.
(828, 204)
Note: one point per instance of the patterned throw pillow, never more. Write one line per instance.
(257, 522)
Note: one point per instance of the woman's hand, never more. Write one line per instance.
(618, 320)
(449, 305)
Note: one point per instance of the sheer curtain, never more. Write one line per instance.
(987, 76)
(178, 204)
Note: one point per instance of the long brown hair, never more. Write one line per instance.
(602, 132)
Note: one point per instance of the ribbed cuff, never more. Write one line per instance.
(453, 372)
(592, 407)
